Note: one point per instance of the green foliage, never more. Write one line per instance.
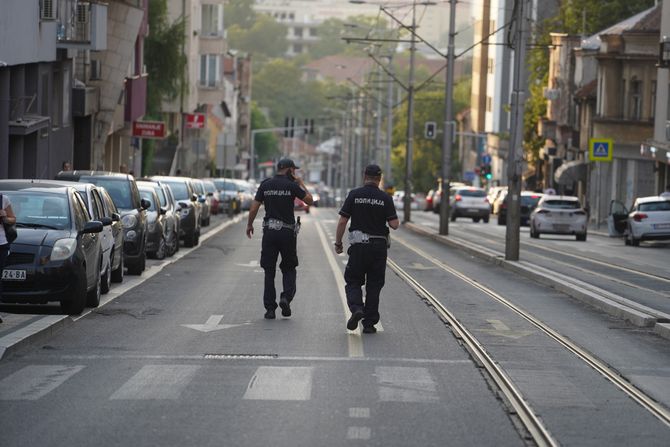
(331, 32)
(163, 56)
(266, 145)
(266, 37)
(427, 159)
(239, 13)
(600, 14)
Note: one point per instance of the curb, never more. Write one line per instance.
(614, 305)
(49, 325)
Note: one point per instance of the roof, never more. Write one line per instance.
(21, 184)
(652, 199)
(76, 175)
(646, 21)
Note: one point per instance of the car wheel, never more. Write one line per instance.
(117, 275)
(197, 238)
(106, 282)
(78, 302)
(501, 221)
(534, 234)
(189, 239)
(138, 267)
(486, 219)
(475, 219)
(93, 296)
(634, 242)
(581, 237)
(160, 253)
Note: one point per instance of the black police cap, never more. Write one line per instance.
(373, 170)
(286, 163)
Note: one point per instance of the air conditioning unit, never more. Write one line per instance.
(83, 13)
(47, 10)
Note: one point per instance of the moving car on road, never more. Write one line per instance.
(558, 215)
(469, 202)
(529, 201)
(57, 255)
(123, 190)
(648, 219)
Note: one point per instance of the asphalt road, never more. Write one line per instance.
(186, 358)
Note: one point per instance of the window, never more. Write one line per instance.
(635, 99)
(313, 32)
(210, 69)
(291, 16)
(212, 20)
(653, 100)
(489, 104)
(489, 65)
(297, 48)
(297, 32)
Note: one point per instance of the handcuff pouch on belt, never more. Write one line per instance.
(359, 237)
(276, 224)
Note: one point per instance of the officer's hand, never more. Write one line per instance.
(339, 248)
(250, 231)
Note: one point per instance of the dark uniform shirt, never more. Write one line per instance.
(369, 209)
(277, 194)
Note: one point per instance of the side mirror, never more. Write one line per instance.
(116, 217)
(163, 210)
(145, 204)
(92, 226)
(194, 197)
(202, 199)
(106, 221)
(210, 194)
(182, 205)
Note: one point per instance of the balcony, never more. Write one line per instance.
(136, 98)
(84, 29)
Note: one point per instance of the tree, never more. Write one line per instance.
(266, 37)
(266, 145)
(331, 32)
(240, 13)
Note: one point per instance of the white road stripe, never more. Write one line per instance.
(359, 412)
(157, 382)
(405, 384)
(35, 381)
(354, 337)
(363, 433)
(280, 383)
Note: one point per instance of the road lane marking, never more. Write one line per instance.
(212, 324)
(35, 381)
(362, 433)
(280, 383)
(354, 337)
(500, 329)
(405, 384)
(157, 382)
(359, 412)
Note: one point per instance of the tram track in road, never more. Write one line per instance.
(532, 423)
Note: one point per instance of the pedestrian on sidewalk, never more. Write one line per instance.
(370, 210)
(666, 193)
(280, 233)
(6, 217)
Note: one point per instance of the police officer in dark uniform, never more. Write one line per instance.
(279, 233)
(370, 209)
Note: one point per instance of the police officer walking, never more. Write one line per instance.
(369, 209)
(279, 233)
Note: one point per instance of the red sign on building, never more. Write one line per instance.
(149, 129)
(195, 121)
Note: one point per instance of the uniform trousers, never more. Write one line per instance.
(276, 242)
(4, 252)
(366, 266)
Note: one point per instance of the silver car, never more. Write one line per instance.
(469, 202)
(649, 219)
(558, 215)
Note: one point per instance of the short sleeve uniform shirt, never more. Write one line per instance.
(277, 195)
(5, 203)
(369, 209)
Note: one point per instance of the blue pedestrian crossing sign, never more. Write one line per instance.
(600, 149)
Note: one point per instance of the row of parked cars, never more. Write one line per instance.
(79, 233)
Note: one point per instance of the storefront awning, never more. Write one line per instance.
(570, 172)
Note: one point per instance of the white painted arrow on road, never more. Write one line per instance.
(420, 266)
(502, 330)
(212, 324)
(250, 264)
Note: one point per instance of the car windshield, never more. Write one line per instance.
(119, 189)
(209, 187)
(562, 204)
(179, 190)
(471, 192)
(663, 205)
(161, 195)
(146, 194)
(226, 186)
(530, 200)
(40, 211)
(198, 188)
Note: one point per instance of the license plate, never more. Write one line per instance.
(562, 227)
(473, 210)
(662, 226)
(13, 275)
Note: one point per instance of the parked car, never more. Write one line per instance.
(112, 231)
(184, 193)
(118, 263)
(57, 255)
(126, 197)
(558, 215)
(229, 193)
(469, 202)
(246, 194)
(156, 228)
(215, 199)
(399, 201)
(647, 220)
(529, 201)
(205, 200)
(171, 215)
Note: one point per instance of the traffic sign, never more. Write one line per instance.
(195, 120)
(600, 149)
(486, 159)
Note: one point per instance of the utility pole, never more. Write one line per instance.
(515, 158)
(449, 124)
(407, 217)
(389, 127)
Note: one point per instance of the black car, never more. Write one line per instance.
(57, 255)
(171, 211)
(184, 193)
(529, 201)
(156, 225)
(126, 197)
